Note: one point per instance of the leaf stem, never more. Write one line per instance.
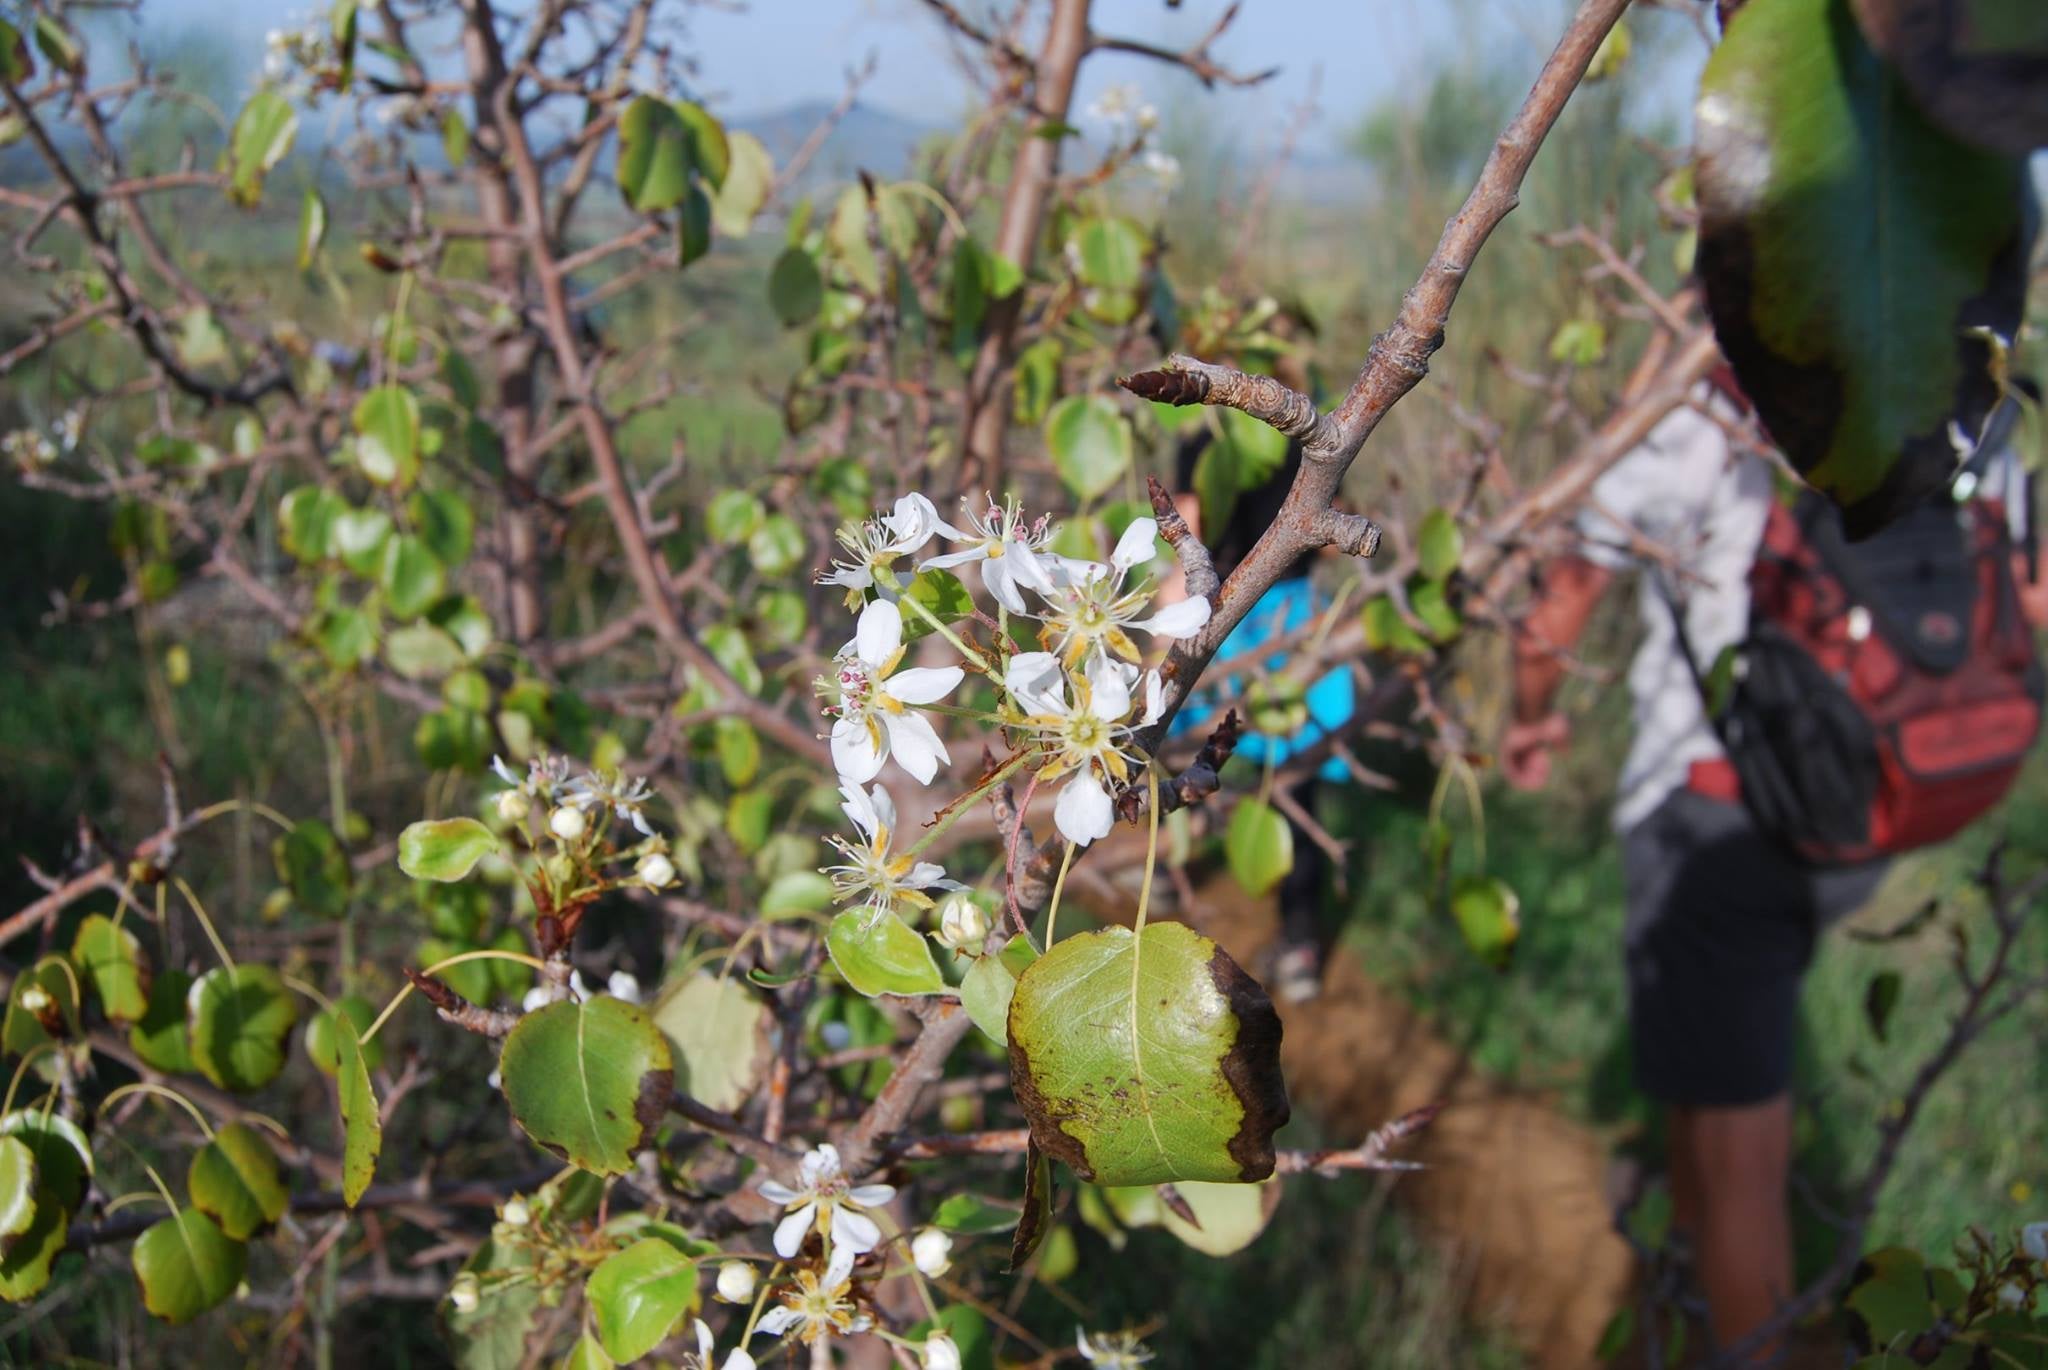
(162, 1092)
(220, 948)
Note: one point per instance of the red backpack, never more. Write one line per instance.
(1888, 691)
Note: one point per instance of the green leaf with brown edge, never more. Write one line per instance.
(325, 1029)
(261, 136)
(160, 1038)
(655, 155)
(1259, 845)
(63, 1156)
(1849, 250)
(1489, 917)
(637, 1296)
(313, 866)
(26, 1257)
(18, 1182)
(444, 849)
(239, 1020)
(717, 1032)
(1036, 1218)
(1142, 1059)
(1090, 444)
(234, 1180)
(1978, 68)
(186, 1265)
(362, 1126)
(42, 1006)
(588, 1081)
(112, 962)
(878, 953)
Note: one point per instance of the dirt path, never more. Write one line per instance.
(1518, 1189)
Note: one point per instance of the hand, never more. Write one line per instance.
(1526, 748)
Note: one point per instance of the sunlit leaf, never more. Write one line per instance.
(26, 1257)
(444, 849)
(878, 953)
(655, 155)
(362, 1125)
(239, 1020)
(323, 1034)
(1090, 444)
(259, 140)
(312, 227)
(717, 1032)
(745, 188)
(112, 961)
(186, 1265)
(18, 1182)
(990, 982)
(588, 1081)
(1259, 845)
(1489, 917)
(637, 1296)
(234, 1180)
(387, 424)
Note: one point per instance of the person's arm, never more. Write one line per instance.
(1571, 589)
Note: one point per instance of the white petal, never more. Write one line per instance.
(871, 1195)
(790, 1232)
(840, 1268)
(912, 523)
(856, 752)
(774, 1323)
(505, 772)
(1083, 812)
(883, 807)
(704, 1342)
(859, 808)
(916, 746)
(1027, 566)
(778, 1193)
(998, 576)
(1075, 570)
(949, 559)
(852, 577)
(1155, 699)
(740, 1360)
(1109, 689)
(926, 875)
(1136, 545)
(879, 632)
(1036, 682)
(854, 1232)
(821, 1162)
(1182, 619)
(923, 684)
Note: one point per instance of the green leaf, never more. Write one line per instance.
(745, 188)
(306, 522)
(1109, 252)
(113, 963)
(25, 1258)
(587, 1354)
(62, 1155)
(1974, 67)
(1146, 1059)
(942, 594)
(1090, 444)
(387, 424)
(1259, 844)
(637, 1296)
(492, 1335)
(795, 289)
(1228, 1217)
(693, 227)
(717, 1033)
(42, 1005)
(1880, 997)
(776, 548)
(17, 1189)
(847, 235)
(454, 138)
(358, 538)
(1439, 545)
(186, 1265)
(1037, 381)
(878, 953)
(710, 150)
(261, 137)
(973, 1216)
(588, 1081)
(1890, 1301)
(1432, 604)
(362, 1125)
(796, 892)
(239, 1020)
(323, 1034)
(733, 515)
(1581, 342)
(748, 815)
(1849, 248)
(234, 1180)
(312, 226)
(1387, 631)
(1489, 917)
(15, 63)
(161, 1038)
(444, 849)
(424, 652)
(445, 523)
(411, 575)
(738, 748)
(314, 868)
(990, 982)
(655, 155)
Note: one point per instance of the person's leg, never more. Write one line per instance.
(1738, 1164)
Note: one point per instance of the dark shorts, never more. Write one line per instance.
(1721, 926)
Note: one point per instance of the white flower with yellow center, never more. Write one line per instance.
(871, 875)
(818, 1305)
(1112, 1350)
(1089, 609)
(874, 547)
(1009, 550)
(1081, 721)
(827, 1201)
(875, 716)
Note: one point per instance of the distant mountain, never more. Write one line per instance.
(867, 138)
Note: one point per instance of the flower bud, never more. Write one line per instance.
(963, 925)
(736, 1281)
(463, 1293)
(940, 1352)
(515, 1213)
(656, 871)
(739, 1360)
(2034, 1241)
(2011, 1294)
(514, 806)
(932, 1252)
(623, 984)
(568, 823)
(35, 1000)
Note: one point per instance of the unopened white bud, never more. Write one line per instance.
(963, 925)
(736, 1281)
(2034, 1241)
(515, 1213)
(931, 1251)
(514, 806)
(463, 1293)
(568, 823)
(655, 870)
(35, 999)
(2012, 1295)
(940, 1352)
(623, 984)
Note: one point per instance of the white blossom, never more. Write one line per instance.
(568, 823)
(963, 925)
(870, 874)
(940, 1353)
(1089, 610)
(1163, 167)
(2034, 1241)
(655, 870)
(825, 1200)
(623, 984)
(736, 1281)
(463, 1294)
(544, 776)
(514, 806)
(1115, 104)
(875, 716)
(819, 1305)
(874, 547)
(515, 1213)
(1009, 550)
(626, 798)
(931, 1251)
(1080, 720)
(1111, 1350)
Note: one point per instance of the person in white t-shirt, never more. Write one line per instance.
(1721, 919)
